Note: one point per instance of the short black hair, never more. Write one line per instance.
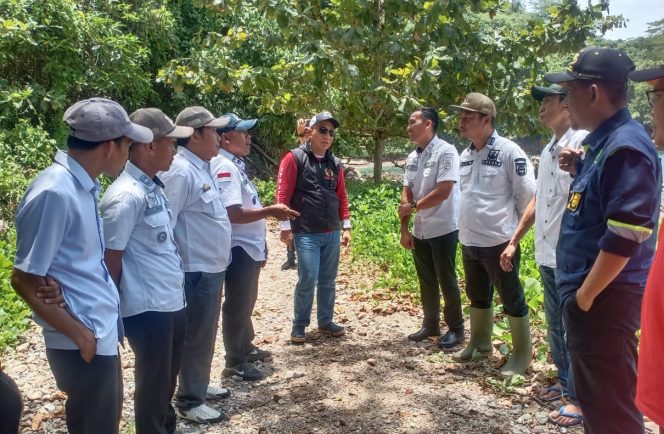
(76, 143)
(618, 91)
(430, 114)
(184, 141)
(493, 120)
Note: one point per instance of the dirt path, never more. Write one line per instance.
(371, 381)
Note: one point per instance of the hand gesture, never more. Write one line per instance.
(281, 212)
(567, 158)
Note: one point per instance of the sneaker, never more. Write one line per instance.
(288, 265)
(256, 354)
(246, 371)
(202, 414)
(214, 392)
(297, 335)
(332, 329)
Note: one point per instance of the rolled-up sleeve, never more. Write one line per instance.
(629, 191)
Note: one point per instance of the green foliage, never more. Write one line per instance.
(14, 313)
(266, 189)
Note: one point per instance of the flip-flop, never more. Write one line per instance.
(577, 419)
(558, 388)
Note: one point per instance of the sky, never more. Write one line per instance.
(638, 12)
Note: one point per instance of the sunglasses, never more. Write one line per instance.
(653, 97)
(324, 131)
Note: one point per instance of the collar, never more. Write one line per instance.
(491, 142)
(193, 158)
(136, 173)
(597, 137)
(430, 146)
(78, 172)
(239, 162)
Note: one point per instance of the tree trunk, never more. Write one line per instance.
(378, 148)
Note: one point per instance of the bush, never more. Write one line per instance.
(14, 313)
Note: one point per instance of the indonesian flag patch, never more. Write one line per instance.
(224, 176)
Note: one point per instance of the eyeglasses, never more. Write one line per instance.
(325, 131)
(653, 96)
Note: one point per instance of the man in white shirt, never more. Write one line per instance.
(431, 187)
(143, 260)
(545, 211)
(248, 247)
(203, 235)
(497, 183)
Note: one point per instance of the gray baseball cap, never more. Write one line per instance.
(160, 124)
(323, 116)
(197, 116)
(100, 119)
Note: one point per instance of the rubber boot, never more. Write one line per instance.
(481, 326)
(521, 355)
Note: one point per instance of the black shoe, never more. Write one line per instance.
(288, 265)
(297, 335)
(332, 329)
(424, 333)
(256, 354)
(246, 371)
(450, 339)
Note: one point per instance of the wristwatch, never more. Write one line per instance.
(413, 205)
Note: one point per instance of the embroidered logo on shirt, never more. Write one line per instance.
(447, 162)
(574, 201)
(467, 163)
(206, 187)
(492, 158)
(520, 166)
(161, 237)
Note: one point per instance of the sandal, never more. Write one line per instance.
(577, 419)
(558, 391)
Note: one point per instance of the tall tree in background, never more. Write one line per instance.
(372, 61)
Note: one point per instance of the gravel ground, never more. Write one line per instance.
(370, 381)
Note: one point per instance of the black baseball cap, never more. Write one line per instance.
(539, 92)
(595, 64)
(647, 74)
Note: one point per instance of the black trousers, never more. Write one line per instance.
(435, 264)
(10, 405)
(157, 340)
(94, 391)
(241, 293)
(482, 269)
(603, 351)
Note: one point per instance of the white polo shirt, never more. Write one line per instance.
(136, 218)
(497, 183)
(200, 222)
(59, 233)
(552, 194)
(237, 189)
(438, 162)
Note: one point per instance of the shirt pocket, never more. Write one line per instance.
(492, 178)
(212, 202)
(157, 230)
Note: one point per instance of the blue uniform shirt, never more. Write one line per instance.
(613, 206)
(59, 234)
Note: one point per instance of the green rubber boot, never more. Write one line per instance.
(481, 326)
(521, 347)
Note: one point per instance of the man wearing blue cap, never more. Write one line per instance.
(545, 211)
(248, 246)
(607, 238)
(59, 236)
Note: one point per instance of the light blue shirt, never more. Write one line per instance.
(136, 218)
(59, 234)
(201, 225)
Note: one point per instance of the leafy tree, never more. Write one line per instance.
(372, 61)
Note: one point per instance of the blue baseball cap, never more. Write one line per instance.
(235, 123)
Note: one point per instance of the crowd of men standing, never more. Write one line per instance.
(150, 259)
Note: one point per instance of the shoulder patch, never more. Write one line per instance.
(467, 163)
(520, 166)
